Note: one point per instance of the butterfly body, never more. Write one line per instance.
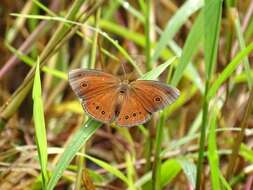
(106, 98)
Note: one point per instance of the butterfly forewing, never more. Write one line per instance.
(88, 83)
(132, 112)
(97, 91)
(154, 95)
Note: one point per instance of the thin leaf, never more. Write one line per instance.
(39, 121)
(157, 71)
(213, 156)
(190, 47)
(230, 68)
(189, 170)
(77, 141)
(130, 171)
(109, 168)
(29, 61)
(174, 25)
(212, 15)
(114, 42)
(156, 171)
(246, 153)
(169, 171)
(224, 182)
(212, 19)
(242, 46)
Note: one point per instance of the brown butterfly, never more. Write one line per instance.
(106, 98)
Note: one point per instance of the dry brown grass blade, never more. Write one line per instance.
(238, 140)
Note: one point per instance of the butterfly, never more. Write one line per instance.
(106, 98)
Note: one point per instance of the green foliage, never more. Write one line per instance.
(212, 19)
(77, 141)
(40, 128)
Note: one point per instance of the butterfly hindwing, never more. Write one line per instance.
(102, 106)
(154, 95)
(132, 112)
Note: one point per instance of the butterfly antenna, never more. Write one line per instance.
(124, 71)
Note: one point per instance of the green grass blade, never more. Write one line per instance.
(93, 54)
(109, 168)
(43, 7)
(174, 24)
(156, 172)
(213, 156)
(110, 10)
(157, 71)
(29, 61)
(190, 72)
(130, 171)
(148, 37)
(224, 182)
(212, 19)
(242, 46)
(19, 23)
(239, 137)
(77, 141)
(169, 171)
(246, 153)
(230, 68)
(122, 51)
(124, 32)
(241, 78)
(114, 42)
(189, 170)
(132, 10)
(190, 47)
(40, 129)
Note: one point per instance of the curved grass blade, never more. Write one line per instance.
(174, 24)
(246, 152)
(212, 20)
(225, 184)
(169, 170)
(190, 47)
(156, 170)
(157, 71)
(114, 42)
(109, 168)
(40, 129)
(212, 153)
(229, 69)
(242, 46)
(29, 61)
(77, 141)
(126, 5)
(189, 170)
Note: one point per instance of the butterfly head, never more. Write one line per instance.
(123, 87)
